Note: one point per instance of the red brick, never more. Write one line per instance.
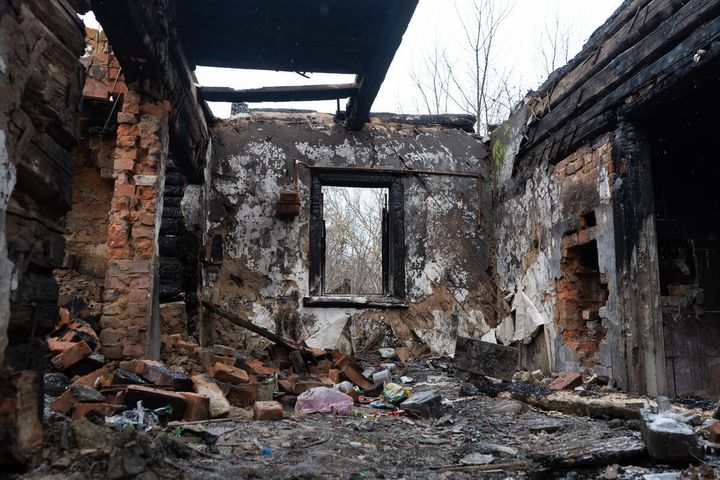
(566, 381)
(341, 361)
(98, 378)
(123, 189)
(257, 367)
(228, 374)
(64, 403)
(197, 406)
(300, 385)
(268, 410)
(57, 346)
(133, 350)
(153, 398)
(71, 356)
(285, 385)
(218, 404)
(356, 377)
(240, 395)
(334, 375)
(715, 435)
(82, 409)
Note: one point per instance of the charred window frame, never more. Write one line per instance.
(393, 260)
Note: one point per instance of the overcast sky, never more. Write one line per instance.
(436, 21)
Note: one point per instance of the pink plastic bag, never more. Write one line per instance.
(323, 399)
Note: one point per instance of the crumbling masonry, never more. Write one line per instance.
(582, 235)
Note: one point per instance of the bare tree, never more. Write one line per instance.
(554, 46)
(353, 239)
(433, 81)
(474, 82)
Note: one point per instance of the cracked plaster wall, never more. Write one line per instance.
(261, 271)
(535, 207)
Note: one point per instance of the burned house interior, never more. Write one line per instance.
(287, 293)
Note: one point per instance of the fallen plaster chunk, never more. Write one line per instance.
(329, 336)
(484, 358)
(528, 318)
(667, 437)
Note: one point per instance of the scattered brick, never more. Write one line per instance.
(228, 374)
(566, 381)
(356, 377)
(197, 406)
(269, 410)
(244, 395)
(153, 398)
(218, 404)
(160, 374)
(334, 375)
(58, 346)
(71, 356)
(715, 436)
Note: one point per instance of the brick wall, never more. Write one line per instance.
(139, 164)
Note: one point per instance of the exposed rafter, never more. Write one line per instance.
(369, 82)
(279, 94)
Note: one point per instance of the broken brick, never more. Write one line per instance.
(356, 377)
(160, 374)
(566, 381)
(334, 375)
(715, 436)
(269, 410)
(243, 395)
(71, 356)
(58, 346)
(197, 406)
(228, 374)
(218, 404)
(258, 368)
(153, 398)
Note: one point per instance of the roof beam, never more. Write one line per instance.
(279, 94)
(369, 82)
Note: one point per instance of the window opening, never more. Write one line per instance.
(355, 226)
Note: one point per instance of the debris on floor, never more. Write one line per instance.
(214, 412)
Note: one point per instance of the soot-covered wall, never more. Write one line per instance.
(257, 265)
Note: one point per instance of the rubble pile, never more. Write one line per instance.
(200, 383)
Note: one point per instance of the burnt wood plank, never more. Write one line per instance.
(398, 17)
(619, 34)
(677, 64)
(484, 358)
(633, 61)
(279, 94)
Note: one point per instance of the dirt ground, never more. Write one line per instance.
(478, 437)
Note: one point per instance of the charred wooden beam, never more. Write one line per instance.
(661, 51)
(369, 82)
(279, 94)
(447, 120)
(277, 339)
(147, 48)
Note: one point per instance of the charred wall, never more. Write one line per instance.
(41, 82)
(257, 265)
(555, 240)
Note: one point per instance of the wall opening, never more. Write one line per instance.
(582, 292)
(357, 236)
(355, 240)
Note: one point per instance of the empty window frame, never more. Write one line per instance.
(357, 222)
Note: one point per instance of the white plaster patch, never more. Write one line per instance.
(191, 206)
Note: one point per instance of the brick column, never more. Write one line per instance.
(135, 215)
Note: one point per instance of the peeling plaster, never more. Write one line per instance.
(445, 248)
